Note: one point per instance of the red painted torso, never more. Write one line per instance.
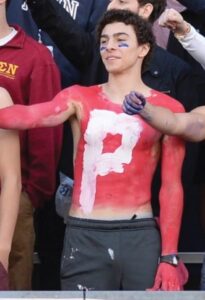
(116, 156)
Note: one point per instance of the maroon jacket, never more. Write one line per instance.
(28, 72)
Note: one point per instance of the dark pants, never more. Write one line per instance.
(110, 255)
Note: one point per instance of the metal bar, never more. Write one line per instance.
(104, 295)
(192, 257)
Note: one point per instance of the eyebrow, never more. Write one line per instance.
(115, 34)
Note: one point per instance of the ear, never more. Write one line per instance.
(144, 50)
(146, 10)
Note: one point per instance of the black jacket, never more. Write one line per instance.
(196, 6)
(198, 21)
(84, 12)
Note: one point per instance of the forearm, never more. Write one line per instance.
(189, 38)
(46, 114)
(170, 222)
(169, 277)
(194, 43)
(160, 118)
(189, 126)
(171, 192)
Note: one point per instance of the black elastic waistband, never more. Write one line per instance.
(111, 225)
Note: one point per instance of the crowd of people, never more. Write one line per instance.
(125, 78)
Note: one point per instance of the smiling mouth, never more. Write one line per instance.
(112, 58)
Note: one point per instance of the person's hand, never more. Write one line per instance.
(4, 280)
(133, 103)
(170, 278)
(173, 20)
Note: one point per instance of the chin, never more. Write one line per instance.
(113, 70)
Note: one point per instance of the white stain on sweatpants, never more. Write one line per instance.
(72, 254)
(111, 253)
(84, 288)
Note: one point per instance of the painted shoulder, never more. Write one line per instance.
(161, 99)
(80, 93)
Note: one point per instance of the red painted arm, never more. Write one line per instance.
(171, 193)
(171, 207)
(45, 114)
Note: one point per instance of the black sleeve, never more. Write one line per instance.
(196, 6)
(186, 90)
(74, 42)
(99, 7)
(171, 75)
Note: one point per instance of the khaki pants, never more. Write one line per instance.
(21, 256)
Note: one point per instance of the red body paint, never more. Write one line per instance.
(117, 194)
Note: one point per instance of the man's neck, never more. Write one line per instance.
(120, 85)
(5, 29)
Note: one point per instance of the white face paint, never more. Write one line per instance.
(96, 163)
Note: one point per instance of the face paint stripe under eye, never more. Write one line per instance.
(103, 48)
(125, 45)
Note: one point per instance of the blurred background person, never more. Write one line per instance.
(10, 181)
(28, 83)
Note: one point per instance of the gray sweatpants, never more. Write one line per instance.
(110, 255)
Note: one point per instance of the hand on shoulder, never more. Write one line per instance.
(133, 103)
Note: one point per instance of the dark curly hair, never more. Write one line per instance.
(141, 27)
(158, 8)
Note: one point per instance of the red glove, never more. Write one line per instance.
(170, 278)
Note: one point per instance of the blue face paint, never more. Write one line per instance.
(103, 48)
(123, 45)
(120, 45)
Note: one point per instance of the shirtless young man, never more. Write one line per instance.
(112, 241)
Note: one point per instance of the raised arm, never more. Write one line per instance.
(10, 180)
(190, 126)
(45, 114)
(189, 38)
(171, 207)
(74, 42)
